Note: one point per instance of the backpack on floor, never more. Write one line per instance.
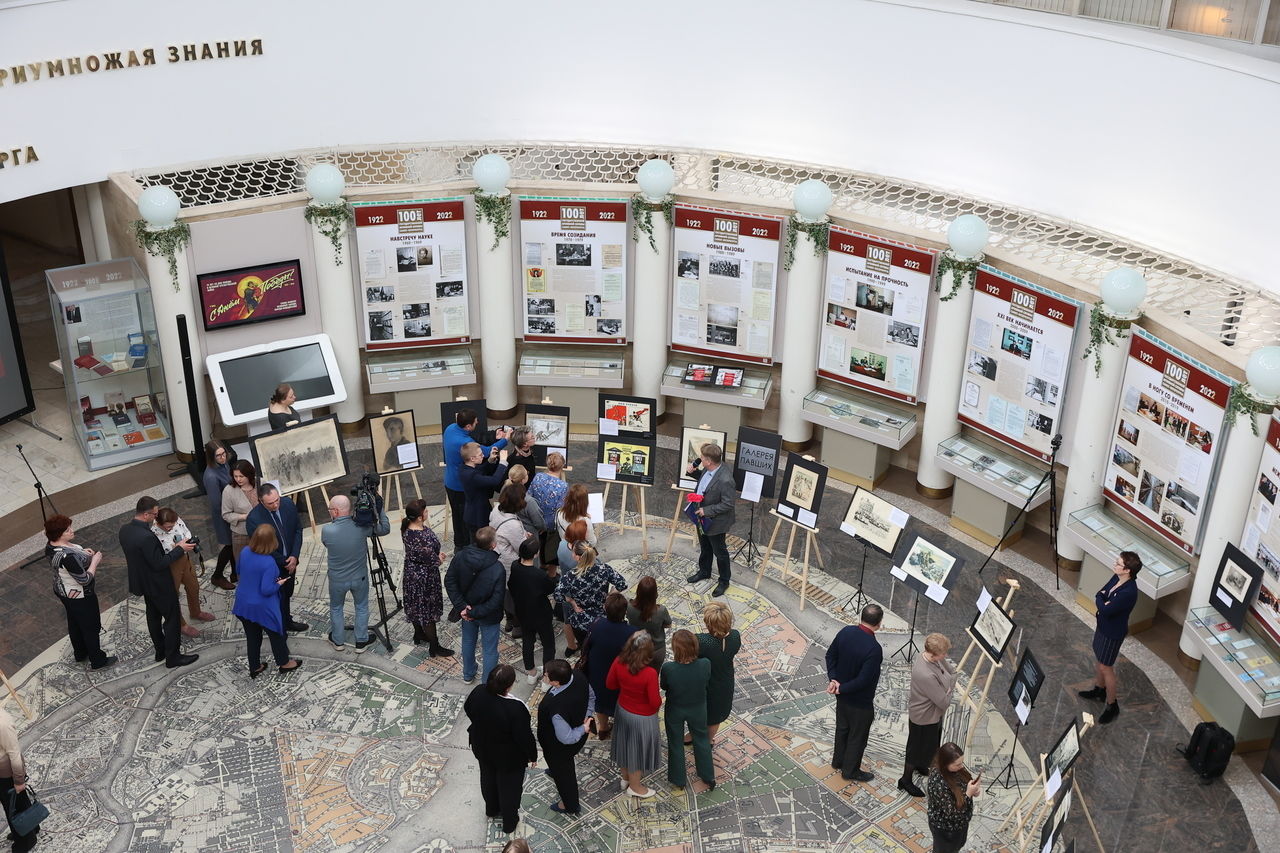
(1209, 750)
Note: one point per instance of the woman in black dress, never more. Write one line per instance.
(423, 596)
(719, 645)
(280, 410)
(531, 586)
(604, 641)
(502, 742)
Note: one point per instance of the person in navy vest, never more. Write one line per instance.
(562, 729)
(853, 671)
(1115, 601)
(281, 513)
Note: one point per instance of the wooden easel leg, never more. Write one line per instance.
(306, 496)
(768, 552)
(14, 693)
(1084, 807)
(644, 526)
(675, 525)
(605, 502)
(804, 576)
(417, 488)
(979, 708)
(622, 513)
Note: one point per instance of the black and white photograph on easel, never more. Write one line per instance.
(302, 457)
(924, 566)
(992, 628)
(759, 452)
(1235, 585)
(874, 520)
(393, 438)
(691, 441)
(1028, 678)
(550, 425)
(800, 497)
(1057, 816)
(1064, 752)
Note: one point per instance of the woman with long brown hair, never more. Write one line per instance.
(216, 477)
(423, 595)
(239, 497)
(644, 612)
(636, 746)
(575, 509)
(951, 792)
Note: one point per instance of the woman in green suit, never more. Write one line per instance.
(719, 646)
(685, 681)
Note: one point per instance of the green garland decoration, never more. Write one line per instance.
(164, 242)
(331, 220)
(642, 216)
(1240, 402)
(1101, 326)
(496, 210)
(965, 273)
(817, 232)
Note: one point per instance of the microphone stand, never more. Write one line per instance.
(42, 496)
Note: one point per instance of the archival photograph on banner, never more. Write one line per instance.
(874, 520)
(302, 457)
(725, 284)
(1165, 439)
(1016, 361)
(412, 258)
(926, 567)
(876, 299)
(394, 440)
(573, 255)
(691, 441)
(992, 628)
(550, 425)
(1261, 539)
(758, 454)
(803, 482)
(626, 460)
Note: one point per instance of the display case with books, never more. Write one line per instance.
(567, 367)
(110, 355)
(1248, 659)
(1009, 476)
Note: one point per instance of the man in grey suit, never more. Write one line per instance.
(716, 510)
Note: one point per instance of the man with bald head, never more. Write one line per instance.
(347, 544)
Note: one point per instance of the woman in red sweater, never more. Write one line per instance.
(636, 745)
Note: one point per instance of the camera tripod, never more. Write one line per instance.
(1050, 477)
(380, 573)
(42, 496)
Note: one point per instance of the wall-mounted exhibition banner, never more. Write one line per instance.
(413, 273)
(250, 294)
(1165, 439)
(1015, 377)
(726, 283)
(573, 255)
(876, 297)
(1261, 539)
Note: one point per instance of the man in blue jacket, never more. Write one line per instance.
(348, 547)
(476, 584)
(853, 671)
(455, 435)
(281, 513)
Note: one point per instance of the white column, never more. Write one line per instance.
(799, 353)
(84, 226)
(946, 367)
(497, 317)
(1237, 478)
(1091, 442)
(168, 303)
(98, 222)
(338, 319)
(651, 309)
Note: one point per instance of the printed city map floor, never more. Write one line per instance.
(369, 752)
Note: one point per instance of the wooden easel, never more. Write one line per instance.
(391, 482)
(306, 497)
(14, 693)
(979, 705)
(784, 568)
(621, 523)
(1032, 808)
(678, 519)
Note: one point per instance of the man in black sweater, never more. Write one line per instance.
(150, 577)
(477, 585)
(853, 671)
(562, 729)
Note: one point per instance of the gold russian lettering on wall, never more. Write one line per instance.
(23, 155)
(30, 72)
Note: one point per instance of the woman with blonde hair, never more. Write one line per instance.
(684, 679)
(636, 747)
(583, 590)
(257, 603)
(530, 514)
(932, 683)
(568, 560)
(719, 645)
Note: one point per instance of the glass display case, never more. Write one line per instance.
(1104, 534)
(861, 415)
(571, 368)
(405, 371)
(1247, 658)
(748, 388)
(1011, 477)
(110, 354)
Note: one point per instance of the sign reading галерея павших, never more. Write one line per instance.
(69, 66)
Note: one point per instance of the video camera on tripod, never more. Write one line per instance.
(366, 503)
(366, 509)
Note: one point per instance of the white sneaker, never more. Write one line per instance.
(532, 677)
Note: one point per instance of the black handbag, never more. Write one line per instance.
(28, 820)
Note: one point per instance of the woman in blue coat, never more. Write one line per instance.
(1115, 601)
(257, 604)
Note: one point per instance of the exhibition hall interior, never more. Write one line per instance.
(415, 338)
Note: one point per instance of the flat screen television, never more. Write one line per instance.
(244, 379)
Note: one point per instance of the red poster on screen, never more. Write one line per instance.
(251, 294)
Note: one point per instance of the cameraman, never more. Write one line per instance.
(347, 544)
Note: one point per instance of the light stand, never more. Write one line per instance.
(859, 599)
(910, 646)
(1051, 477)
(42, 496)
(753, 553)
(1009, 773)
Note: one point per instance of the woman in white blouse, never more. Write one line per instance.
(171, 530)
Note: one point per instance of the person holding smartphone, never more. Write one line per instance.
(951, 791)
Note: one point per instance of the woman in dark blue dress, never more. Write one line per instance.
(604, 641)
(1115, 601)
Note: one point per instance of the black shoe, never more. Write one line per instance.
(296, 664)
(159, 656)
(111, 660)
(361, 646)
(1095, 692)
(905, 784)
(568, 653)
(298, 626)
(1112, 711)
(698, 576)
(261, 669)
(182, 660)
(78, 659)
(555, 807)
(441, 652)
(859, 776)
(720, 589)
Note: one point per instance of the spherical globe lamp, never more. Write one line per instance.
(967, 236)
(325, 183)
(491, 173)
(1123, 290)
(1263, 373)
(812, 200)
(159, 207)
(656, 178)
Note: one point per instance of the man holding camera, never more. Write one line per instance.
(150, 577)
(281, 513)
(347, 544)
(455, 435)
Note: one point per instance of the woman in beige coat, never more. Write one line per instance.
(933, 680)
(238, 500)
